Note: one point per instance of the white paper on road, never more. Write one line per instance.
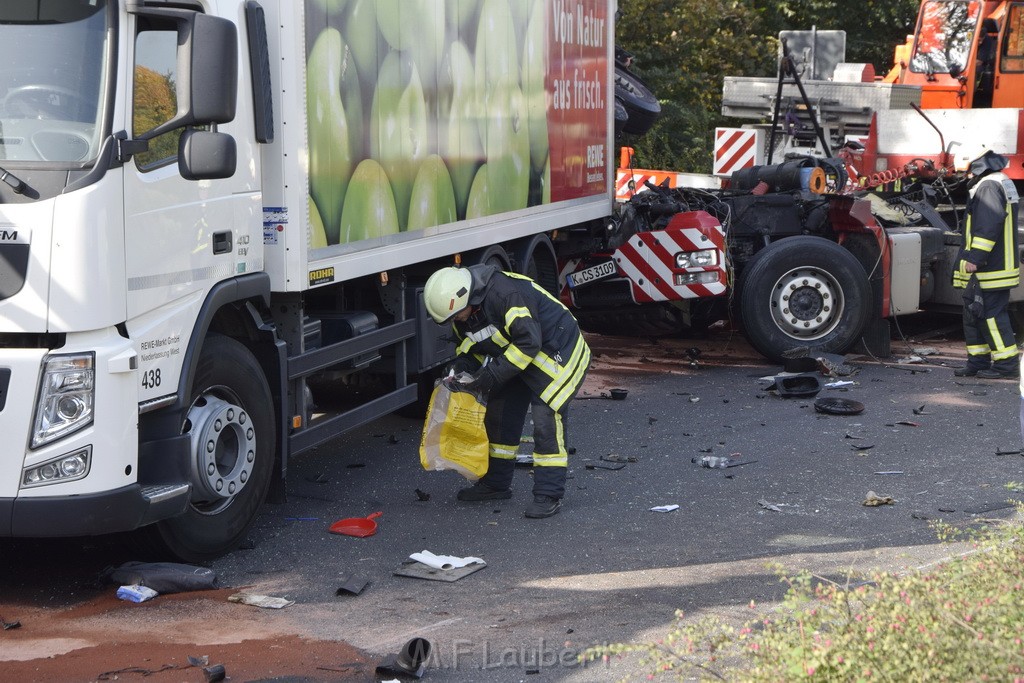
(444, 561)
(264, 601)
(664, 508)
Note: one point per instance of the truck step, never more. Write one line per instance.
(164, 492)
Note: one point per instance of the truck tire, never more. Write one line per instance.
(231, 421)
(642, 107)
(535, 258)
(494, 255)
(803, 291)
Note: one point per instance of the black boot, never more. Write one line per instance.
(543, 506)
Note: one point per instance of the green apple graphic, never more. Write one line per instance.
(479, 203)
(463, 150)
(369, 204)
(508, 151)
(364, 40)
(398, 127)
(497, 58)
(317, 236)
(330, 159)
(416, 26)
(433, 198)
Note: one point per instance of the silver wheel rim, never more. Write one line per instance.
(223, 451)
(807, 303)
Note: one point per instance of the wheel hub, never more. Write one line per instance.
(223, 449)
(807, 303)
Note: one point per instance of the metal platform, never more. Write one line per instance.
(852, 103)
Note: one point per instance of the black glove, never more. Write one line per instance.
(462, 364)
(480, 383)
(973, 300)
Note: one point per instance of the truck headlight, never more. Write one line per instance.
(66, 397)
(697, 259)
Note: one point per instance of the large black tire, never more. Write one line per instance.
(803, 291)
(535, 258)
(641, 105)
(231, 421)
(494, 255)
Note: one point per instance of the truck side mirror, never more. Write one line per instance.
(204, 155)
(206, 88)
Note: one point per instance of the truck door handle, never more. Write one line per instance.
(222, 242)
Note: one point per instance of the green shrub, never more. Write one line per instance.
(960, 621)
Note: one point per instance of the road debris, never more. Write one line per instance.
(769, 506)
(411, 660)
(136, 593)
(264, 601)
(872, 500)
(921, 411)
(890, 472)
(862, 446)
(832, 405)
(664, 508)
(1008, 451)
(352, 585)
(9, 625)
(444, 561)
(422, 496)
(615, 457)
(799, 385)
(602, 466)
(214, 673)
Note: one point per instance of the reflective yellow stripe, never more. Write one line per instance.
(517, 357)
(982, 244)
(514, 313)
(499, 339)
(570, 387)
(550, 460)
(1001, 350)
(547, 364)
(568, 377)
(977, 350)
(1003, 354)
(502, 451)
(465, 346)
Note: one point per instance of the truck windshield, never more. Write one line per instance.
(51, 81)
(945, 29)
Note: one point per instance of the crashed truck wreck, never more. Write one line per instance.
(790, 262)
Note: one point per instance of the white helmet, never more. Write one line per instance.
(447, 293)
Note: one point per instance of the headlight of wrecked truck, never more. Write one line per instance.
(66, 397)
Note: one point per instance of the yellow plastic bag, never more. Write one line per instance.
(454, 436)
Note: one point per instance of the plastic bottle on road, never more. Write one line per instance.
(712, 461)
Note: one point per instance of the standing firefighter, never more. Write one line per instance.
(987, 268)
(524, 349)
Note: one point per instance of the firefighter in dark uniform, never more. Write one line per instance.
(525, 351)
(987, 268)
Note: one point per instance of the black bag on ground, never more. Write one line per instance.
(163, 577)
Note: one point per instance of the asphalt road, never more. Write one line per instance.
(607, 568)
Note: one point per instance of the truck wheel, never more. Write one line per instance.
(535, 258)
(642, 107)
(231, 423)
(494, 255)
(803, 291)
